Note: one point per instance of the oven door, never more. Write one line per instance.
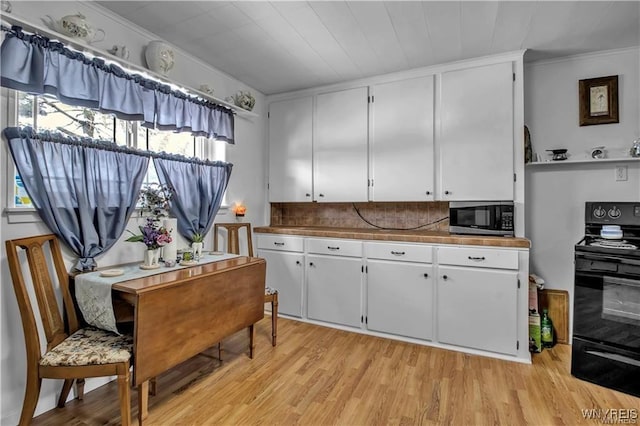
(607, 300)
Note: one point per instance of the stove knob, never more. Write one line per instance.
(614, 212)
(599, 212)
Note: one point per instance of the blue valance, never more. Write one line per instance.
(34, 64)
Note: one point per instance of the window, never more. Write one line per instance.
(44, 113)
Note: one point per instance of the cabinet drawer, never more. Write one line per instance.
(279, 242)
(404, 252)
(335, 247)
(480, 257)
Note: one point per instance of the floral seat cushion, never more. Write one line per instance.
(90, 346)
(269, 291)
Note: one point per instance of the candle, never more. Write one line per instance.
(170, 251)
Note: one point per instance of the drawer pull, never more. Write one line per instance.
(310, 263)
(297, 262)
(398, 253)
(307, 195)
(333, 248)
(426, 275)
(444, 277)
(278, 244)
(479, 258)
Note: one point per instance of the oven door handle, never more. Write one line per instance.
(615, 357)
(606, 258)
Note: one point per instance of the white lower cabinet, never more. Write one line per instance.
(334, 281)
(465, 297)
(285, 270)
(285, 274)
(400, 298)
(477, 307)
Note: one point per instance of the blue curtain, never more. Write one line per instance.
(34, 64)
(84, 190)
(198, 191)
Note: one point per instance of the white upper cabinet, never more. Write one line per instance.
(340, 158)
(290, 150)
(476, 133)
(401, 142)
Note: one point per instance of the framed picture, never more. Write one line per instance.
(598, 100)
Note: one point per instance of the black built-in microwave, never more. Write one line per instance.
(481, 217)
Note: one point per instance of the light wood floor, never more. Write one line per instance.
(322, 376)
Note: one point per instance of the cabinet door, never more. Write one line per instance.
(334, 289)
(340, 146)
(477, 308)
(401, 143)
(476, 138)
(290, 150)
(399, 298)
(285, 274)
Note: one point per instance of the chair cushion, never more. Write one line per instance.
(90, 346)
(269, 290)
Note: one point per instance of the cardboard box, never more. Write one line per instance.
(535, 338)
(533, 297)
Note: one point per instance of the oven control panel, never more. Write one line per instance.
(620, 213)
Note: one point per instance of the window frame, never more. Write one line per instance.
(17, 214)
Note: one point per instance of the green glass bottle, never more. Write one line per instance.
(546, 329)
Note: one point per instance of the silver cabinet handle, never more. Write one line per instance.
(398, 253)
(333, 248)
(478, 258)
(278, 244)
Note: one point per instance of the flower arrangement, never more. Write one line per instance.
(152, 235)
(154, 199)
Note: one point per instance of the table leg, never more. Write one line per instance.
(143, 401)
(252, 339)
(274, 320)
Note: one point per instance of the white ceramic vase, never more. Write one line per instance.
(159, 56)
(197, 249)
(151, 258)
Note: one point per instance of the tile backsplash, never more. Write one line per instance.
(421, 215)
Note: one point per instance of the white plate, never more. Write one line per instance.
(188, 262)
(111, 273)
(146, 267)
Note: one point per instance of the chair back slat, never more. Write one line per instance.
(42, 282)
(233, 237)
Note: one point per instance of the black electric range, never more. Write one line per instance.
(606, 319)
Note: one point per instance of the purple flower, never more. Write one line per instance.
(152, 235)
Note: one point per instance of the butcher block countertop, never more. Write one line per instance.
(433, 237)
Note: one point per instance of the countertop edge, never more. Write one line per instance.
(402, 236)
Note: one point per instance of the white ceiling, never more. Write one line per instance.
(287, 45)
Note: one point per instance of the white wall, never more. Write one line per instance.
(247, 184)
(556, 193)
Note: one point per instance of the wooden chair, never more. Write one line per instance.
(73, 353)
(233, 246)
